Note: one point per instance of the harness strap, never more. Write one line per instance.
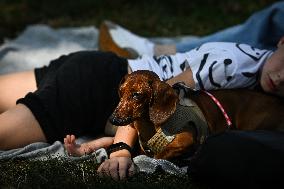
(184, 117)
(227, 118)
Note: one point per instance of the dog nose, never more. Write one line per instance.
(119, 121)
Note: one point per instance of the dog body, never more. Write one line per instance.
(248, 110)
(149, 103)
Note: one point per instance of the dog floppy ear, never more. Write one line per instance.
(120, 83)
(163, 102)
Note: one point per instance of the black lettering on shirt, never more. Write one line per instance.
(211, 75)
(250, 51)
(202, 63)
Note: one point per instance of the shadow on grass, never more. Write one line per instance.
(148, 18)
(58, 173)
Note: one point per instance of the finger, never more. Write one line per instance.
(113, 170)
(103, 170)
(68, 138)
(73, 138)
(123, 168)
(131, 170)
(99, 171)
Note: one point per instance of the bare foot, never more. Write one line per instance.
(75, 149)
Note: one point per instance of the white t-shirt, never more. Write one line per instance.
(214, 65)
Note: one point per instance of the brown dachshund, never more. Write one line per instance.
(150, 103)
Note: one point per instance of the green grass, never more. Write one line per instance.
(148, 18)
(56, 173)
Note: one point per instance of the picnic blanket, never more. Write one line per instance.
(35, 47)
(38, 44)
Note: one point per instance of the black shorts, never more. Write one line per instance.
(76, 93)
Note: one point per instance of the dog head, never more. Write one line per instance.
(143, 96)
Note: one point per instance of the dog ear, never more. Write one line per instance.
(123, 80)
(120, 83)
(163, 102)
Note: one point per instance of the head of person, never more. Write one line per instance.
(272, 74)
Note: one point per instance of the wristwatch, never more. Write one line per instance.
(118, 146)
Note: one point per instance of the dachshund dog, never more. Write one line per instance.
(150, 103)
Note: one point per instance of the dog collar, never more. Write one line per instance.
(182, 87)
(227, 118)
(186, 101)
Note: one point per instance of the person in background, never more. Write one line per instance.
(261, 30)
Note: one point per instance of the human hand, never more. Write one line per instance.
(118, 168)
(75, 149)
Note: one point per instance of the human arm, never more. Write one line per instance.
(120, 165)
(185, 77)
(75, 149)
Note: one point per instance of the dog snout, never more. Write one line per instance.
(119, 121)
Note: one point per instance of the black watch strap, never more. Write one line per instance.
(118, 146)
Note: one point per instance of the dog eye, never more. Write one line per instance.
(137, 95)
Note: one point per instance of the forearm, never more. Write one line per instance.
(120, 165)
(185, 77)
(103, 142)
(126, 134)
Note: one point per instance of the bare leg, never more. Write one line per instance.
(18, 128)
(164, 50)
(14, 86)
(75, 149)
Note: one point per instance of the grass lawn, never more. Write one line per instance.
(55, 173)
(148, 18)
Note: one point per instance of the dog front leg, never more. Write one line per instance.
(181, 145)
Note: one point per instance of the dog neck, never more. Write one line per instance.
(214, 117)
(145, 128)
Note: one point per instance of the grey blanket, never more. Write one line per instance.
(35, 47)
(44, 151)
